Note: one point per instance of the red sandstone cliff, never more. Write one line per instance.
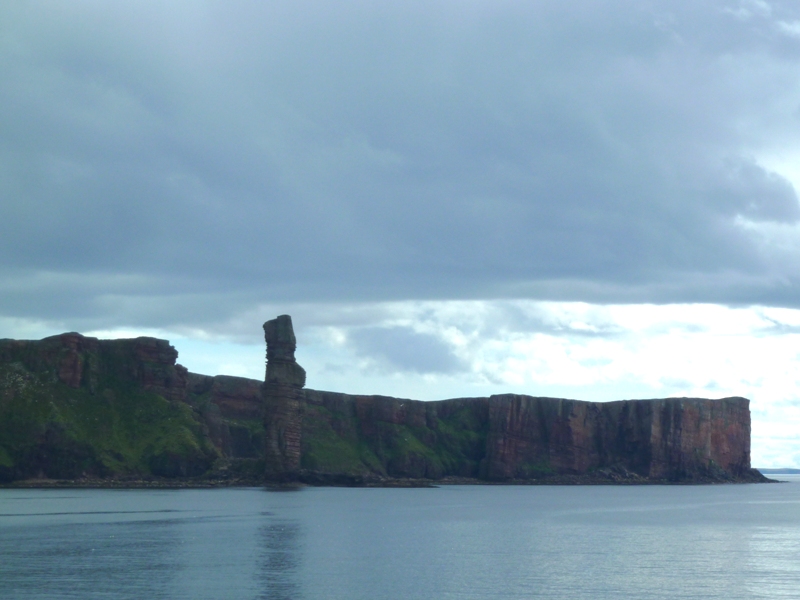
(77, 361)
(319, 436)
(74, 406)
(671, 439)
(232, 409)
(514, 437)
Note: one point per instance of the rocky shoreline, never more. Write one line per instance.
(609, 476)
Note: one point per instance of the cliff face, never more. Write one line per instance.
(72, 406)
(80, 362)
(378, 436)
(672, 439)
(698, 437)
(232, 410)
(513, 437)
(319, 436)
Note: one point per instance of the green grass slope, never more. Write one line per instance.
(111, 427)
(336, 440)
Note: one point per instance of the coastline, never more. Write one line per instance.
(611, 476)
(80, 412)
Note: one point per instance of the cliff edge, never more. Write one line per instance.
(74, 406)
(78, 408)
(341, 438)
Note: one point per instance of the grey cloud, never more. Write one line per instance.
(501, 318)
(752, 192)
(403, 349)
(295, 152)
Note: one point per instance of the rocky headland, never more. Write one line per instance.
(76, 410)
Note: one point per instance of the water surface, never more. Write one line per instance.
(454, 542)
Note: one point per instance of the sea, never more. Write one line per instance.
(449, 542)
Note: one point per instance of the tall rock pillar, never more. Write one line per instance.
(283, 401)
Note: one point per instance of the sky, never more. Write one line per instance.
(595, 200)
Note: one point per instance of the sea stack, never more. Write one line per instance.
(73, 407)
(283, 401)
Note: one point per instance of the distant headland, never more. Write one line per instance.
(76, 410)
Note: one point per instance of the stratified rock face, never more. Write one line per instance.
(283, 401)
(671, 439)
(78, 361)
(72, 359)
(155, 366)
(691, 438)
(232, 409)
(72, 405)
(379, 436)
(236, 397)
(282, 368)
(514, 437)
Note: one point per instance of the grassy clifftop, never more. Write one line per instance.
(376, 436)
(72, 406)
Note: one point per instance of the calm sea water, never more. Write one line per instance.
(728, 541)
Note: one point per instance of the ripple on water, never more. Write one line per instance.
(460, 542)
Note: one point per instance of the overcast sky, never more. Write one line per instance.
(592, 199)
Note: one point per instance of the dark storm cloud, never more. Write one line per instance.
(176, 164)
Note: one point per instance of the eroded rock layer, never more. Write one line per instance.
(671, 439)
(74, 406)
(78, 361)
(283, 401)
(514, 437)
